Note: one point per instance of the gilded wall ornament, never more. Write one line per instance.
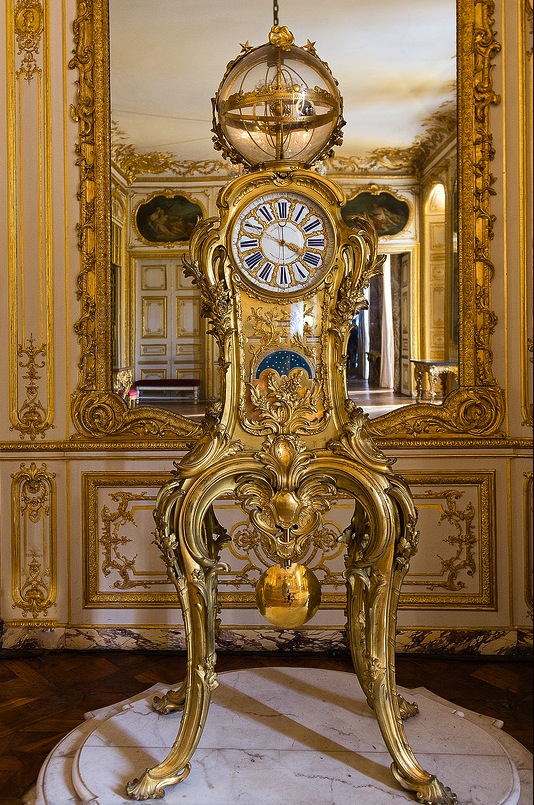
(461, 573)
(113, 560)
(35, 590)
(134, 165)
(463, 539)
(34, 561)
(528, 516)
(32, 418)
(29, 24)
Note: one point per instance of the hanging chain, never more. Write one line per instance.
(275, 13)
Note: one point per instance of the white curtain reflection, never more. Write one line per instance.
(387, 357)
(363, 338)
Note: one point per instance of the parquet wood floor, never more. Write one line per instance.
(44, 696)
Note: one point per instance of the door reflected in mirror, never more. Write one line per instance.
(398, 166)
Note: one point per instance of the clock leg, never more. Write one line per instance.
(171, 702)
(197, 589)
(373, 594)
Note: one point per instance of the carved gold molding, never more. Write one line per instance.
(528, 514)
(29, 198)
(526, 179)
(134, 166)
(107, 546)
(471, 414)
(32, 419)
(411, 160)
(33, 559)
(529, 18)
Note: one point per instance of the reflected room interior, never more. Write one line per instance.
(397, 166)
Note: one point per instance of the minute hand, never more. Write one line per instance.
(299, 250)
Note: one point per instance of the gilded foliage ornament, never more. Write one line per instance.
(287, 404)
(32, 417)
(34, 561)
(287, 499)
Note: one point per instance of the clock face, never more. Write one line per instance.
(283, 242)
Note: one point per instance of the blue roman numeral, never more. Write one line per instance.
(311, 259)
(317, 242)
(300, 212)
(265, 213)
(253, 259)
(266, 271)
(300, 271)
(248, 243)
(283, 276)
(281, 206)
(311, 225)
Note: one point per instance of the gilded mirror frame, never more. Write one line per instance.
(469, 414)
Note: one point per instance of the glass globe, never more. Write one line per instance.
(277, 102)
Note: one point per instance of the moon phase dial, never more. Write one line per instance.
(283, 243)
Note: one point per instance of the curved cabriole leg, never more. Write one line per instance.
(214, 536)
(373, 594)
(197, 591)
(358, 587)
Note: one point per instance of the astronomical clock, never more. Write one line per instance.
(281, 278)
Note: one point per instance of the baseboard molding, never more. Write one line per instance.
(510, 643)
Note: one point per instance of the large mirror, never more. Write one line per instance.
(416, 155)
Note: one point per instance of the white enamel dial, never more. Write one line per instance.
(283, 242)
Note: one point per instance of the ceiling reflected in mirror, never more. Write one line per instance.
(395, 64)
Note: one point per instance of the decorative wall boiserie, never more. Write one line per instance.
(29, 218)
(80, 471)
(455, 562)
(453, 568)
(122, 565)
(34, 541)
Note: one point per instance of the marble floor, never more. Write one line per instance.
(281, 735)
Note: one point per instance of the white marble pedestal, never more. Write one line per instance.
(280, 736)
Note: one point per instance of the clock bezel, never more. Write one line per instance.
(313, 199)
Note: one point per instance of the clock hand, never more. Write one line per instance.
(299, 251)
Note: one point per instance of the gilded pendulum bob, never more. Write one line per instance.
(289, 596)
